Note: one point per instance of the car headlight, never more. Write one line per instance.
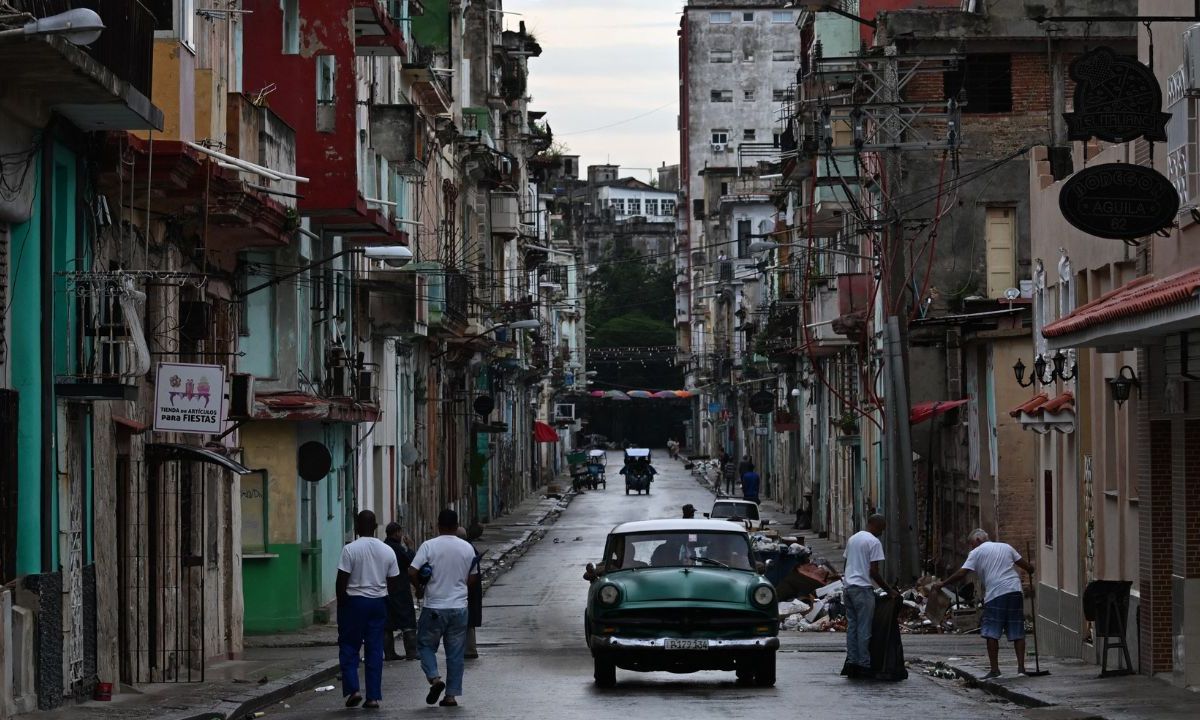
(763, 595)
(609, 595)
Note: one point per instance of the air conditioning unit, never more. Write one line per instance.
(241, 395)
(718, 147)
(564, 412)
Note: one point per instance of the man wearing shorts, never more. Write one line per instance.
(1003, 605)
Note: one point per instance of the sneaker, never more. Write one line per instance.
(991, 675)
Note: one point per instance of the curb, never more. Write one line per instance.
(1018, 696)
(269, 694)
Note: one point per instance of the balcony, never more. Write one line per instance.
(102, 87)
(837, 180)
(376, 33)
(449, 297)
(477, 125)
(399, 305)
(429, 86)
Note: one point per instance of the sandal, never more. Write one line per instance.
(448, 703)
(435, 692)
(353, 700)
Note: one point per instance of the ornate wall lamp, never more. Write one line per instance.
(1059, 370)
(1122, 383)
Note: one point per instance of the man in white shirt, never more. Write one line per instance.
(451, 567)
(366, 570)
(864, 555)
(1003, 604)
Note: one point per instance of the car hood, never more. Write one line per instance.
(706, 584)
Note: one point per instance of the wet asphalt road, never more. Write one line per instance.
(534, 663)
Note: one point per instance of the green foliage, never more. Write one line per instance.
(633, 329)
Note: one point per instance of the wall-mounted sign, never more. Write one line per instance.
(189, 398)
(1117, 99)
(762, 402)
(1119, 201)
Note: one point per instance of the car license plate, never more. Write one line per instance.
(686, 644)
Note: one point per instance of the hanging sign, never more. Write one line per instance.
(1119, 201)
(1117, 99)
(189, 398)
(762, 402)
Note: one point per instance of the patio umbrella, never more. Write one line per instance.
(543, 433)
(665, 395)
(641, 394)
(597, 393)
(682, 393)
(616, 395)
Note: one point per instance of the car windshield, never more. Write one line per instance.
(678, 549)
(745, 511)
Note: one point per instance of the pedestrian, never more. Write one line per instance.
(689, 512)
(729, 470)
(367, 572)
(474, 602)
(864, 556)
(745, 465)
(447, 563)
(1003, 603)
(750, 481)
(401, 617)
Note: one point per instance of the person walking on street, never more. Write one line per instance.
(750, 482)
(1003, 603)
(451, 568)
(367, 572)
(474, 602)
(689, 512)
(401, 617)
(864, 557)
(729, 470)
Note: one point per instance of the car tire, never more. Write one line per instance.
(604, 672)
(764, 671)
(745, 673)
(626, 490)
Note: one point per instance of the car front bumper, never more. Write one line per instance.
(616, 642)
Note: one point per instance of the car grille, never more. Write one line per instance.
(686, 618)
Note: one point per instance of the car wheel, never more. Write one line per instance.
(745, 673)
(604, 672)
(764, 671)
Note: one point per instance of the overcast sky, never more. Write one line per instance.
(604, 63)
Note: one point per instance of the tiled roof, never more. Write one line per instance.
(1029, 406)
(1041, 404)
(1066, 401)
(1139, 296)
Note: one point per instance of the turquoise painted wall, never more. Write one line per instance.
(25, 284)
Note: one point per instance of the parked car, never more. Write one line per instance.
(743, 511)
(681, 596)
(638, 471)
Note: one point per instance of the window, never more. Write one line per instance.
(747, 17)
(721, 96)
(618, 205)
(651, 206)
(720, 56)
(1000, 236)
(175, 18)
(743, 237)
(748, 55)
(1048, 507)
(783, 56)
(748, 95)
(778, 95)
(291, 27)
(720, 137)
(668, 207)
(326, 68)
(781, 16)
(777, 138)
(982, 82)
(720, 17)
(635, 206)
(749, 135)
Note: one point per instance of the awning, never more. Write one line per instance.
(175, 451)
(1127, 317)
(923, 411)
(543, 433)
(132, 427)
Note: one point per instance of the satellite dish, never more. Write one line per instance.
(313, 461)
(408, 454)
(484, 405)
(762, 402)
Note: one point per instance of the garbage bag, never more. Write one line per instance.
(887, 652)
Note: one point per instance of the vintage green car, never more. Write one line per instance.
(681, 596)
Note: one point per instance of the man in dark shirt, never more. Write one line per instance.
(401, 616)
(750, 483)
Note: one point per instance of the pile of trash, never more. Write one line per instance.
(825, 612)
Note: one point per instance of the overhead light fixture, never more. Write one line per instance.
(1123, 383)
(80, 26)
(393, 255)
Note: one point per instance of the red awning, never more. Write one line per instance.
(543, 433)
(923, 411)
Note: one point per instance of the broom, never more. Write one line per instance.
(1037, 665)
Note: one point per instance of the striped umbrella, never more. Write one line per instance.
(616, 395)
(597, 393)
(682, 394)
(665, 395)
(640, 394)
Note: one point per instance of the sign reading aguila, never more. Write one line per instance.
(1119, 201)
(1117, 99)
(189, 398)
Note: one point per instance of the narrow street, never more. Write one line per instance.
(534, 664)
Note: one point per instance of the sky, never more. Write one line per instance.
(607, 77)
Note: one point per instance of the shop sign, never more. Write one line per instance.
(189, 398)
(1119, 201)
(1117, 99)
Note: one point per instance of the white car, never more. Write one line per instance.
(743, 511)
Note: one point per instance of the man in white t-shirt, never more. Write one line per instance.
(442, 568)
(366, 570)
(864, 556)
(1003, 605)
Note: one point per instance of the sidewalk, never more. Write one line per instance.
(275, 667)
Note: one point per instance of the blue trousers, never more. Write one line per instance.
(361, 621)
(449, 627)
(860, 613)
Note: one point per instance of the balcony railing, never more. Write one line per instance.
(127, 44)
(458, 295)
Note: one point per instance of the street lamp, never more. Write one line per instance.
(394, 255)
(1120, 385)
(80, 26)
(1057, 372)
(514, 325)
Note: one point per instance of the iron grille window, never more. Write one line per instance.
(721, 96)
(982, 82)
